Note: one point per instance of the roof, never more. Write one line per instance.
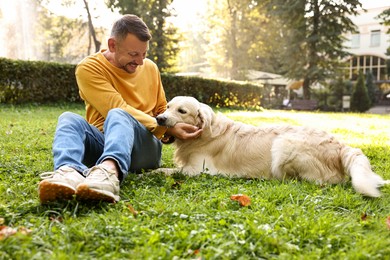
(268, 78)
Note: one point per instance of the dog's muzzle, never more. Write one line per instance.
(161, 120)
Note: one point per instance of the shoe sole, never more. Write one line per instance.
(49, 192)
(85, 193)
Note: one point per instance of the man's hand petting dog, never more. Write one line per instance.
(184, 131)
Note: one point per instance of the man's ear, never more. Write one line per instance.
(112, 44)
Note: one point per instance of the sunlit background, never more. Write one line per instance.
(57, 30)
(19, 18)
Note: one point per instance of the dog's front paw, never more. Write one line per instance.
(165, 171)
(189, 171)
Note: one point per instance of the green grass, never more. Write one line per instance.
(191, 218)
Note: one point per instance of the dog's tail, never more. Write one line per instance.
(364, 180)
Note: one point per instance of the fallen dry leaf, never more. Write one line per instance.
(6, 231)
(132, 210)
(244, 200)
(364, 216)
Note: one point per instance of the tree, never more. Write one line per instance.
(163, 47)
(91, 28)
(56, 34)
(236, 30)
(65, 39)
(385, 16)
(360, 101)
(314, 29)
(192, 55)
(371, 87)
(337, 91)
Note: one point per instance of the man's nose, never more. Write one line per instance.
(140, 60)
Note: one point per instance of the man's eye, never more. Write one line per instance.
(182, 111)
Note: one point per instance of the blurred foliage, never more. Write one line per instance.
(163, 49)
(213, 92)
(62, 39)
(36, 81)
(46, 82)
(236, 33)
(360, 100)
(372, 89)
(330, 97)
(314, 36)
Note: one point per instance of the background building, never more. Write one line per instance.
(369, 46)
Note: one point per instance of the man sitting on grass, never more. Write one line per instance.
(123, 94)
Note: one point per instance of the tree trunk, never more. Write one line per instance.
(91, 28)
(306, 88)
(233, 41)
(313, 56)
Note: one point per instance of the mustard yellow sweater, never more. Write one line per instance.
(103, 86)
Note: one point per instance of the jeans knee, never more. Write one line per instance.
(70, 118)
(119, 113)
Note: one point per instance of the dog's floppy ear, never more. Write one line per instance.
(205, 116)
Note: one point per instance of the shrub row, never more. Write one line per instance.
(36, 81)
(47, 82)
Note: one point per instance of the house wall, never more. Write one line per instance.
(368, 25)
(369, 45)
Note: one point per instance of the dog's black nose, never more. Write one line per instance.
(161, 119)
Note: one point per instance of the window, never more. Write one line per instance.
(375, 38)
(367, 63)
(355, 41)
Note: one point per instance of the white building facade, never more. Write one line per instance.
(369, 45)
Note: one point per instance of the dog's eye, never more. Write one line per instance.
(182, 111)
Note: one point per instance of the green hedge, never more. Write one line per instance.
(36, 81)
(47, 82)
(214, 92)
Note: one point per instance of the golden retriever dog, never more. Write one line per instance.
(235, 149)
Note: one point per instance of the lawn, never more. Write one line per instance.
(179, 217)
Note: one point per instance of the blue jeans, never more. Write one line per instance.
(81, 145)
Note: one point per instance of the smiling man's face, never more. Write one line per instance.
(129, 53)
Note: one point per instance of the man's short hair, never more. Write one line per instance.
(132, 24)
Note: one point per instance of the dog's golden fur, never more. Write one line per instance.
(235, 149)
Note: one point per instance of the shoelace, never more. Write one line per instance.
(100, 173)
(49, 175)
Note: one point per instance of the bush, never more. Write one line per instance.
(46, 82)
(331, 98)
(360, 101)
(37, 81)
(372, 89)
(216, 93)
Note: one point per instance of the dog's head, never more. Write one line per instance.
(188, 110)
